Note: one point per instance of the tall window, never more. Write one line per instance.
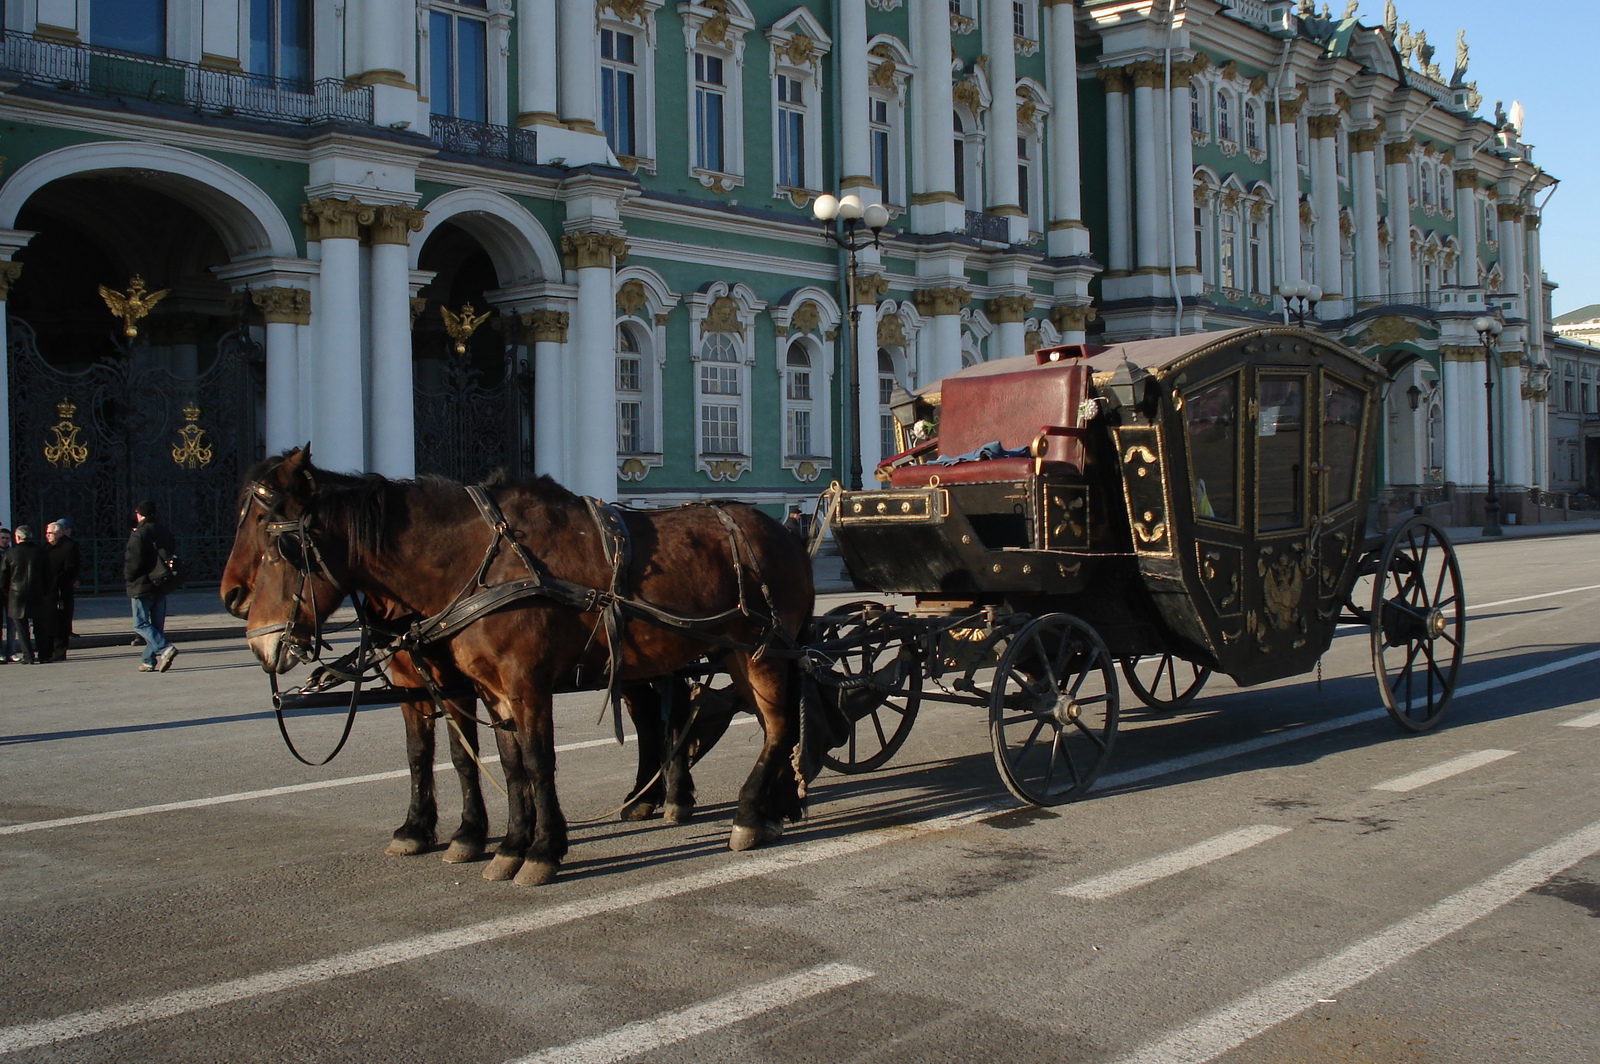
(882, 147)
(1197, 121)
(710, 99)
(618, 77)
(791, 132)
(1252, 126)
(1258, 258)
(630, 394)
(887, 443)
(1200, 255)
(1224, 117)
(129, 25)
(1024, 174)
(961, 158)
(280, 39)
(1227, 258)
(721, 385)
(797, 397)
(458, 71)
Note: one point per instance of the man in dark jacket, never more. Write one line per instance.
(25, 582)
(64, 565)
(148, 548)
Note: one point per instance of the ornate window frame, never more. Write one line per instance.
(1033, 109)
(717, 29)
(496, 17)
(720, 309)
(797, 45)
(972, 98)
(637, 18)
(644, 303)
(891, 66)
(810, 315)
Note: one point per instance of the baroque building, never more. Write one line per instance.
(576, 238)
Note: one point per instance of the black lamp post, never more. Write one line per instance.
(1488, 330)
(852, 216)
(1300, 299)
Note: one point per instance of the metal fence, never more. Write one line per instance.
(105, 72)
(466, 137)
(101, 561)
(994, 227)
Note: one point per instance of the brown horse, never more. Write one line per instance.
(415, 550)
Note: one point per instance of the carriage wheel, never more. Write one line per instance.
(880, 714)
(1419, 620)
(1165, 682)
(1053, 710)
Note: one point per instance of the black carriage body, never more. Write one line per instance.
(1204, 496)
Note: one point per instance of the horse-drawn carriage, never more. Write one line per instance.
(1178, 506)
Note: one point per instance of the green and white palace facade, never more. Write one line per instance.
(576, 237)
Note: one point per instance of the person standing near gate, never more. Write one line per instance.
(25, 585)
(144, 566)
(8, 640)
(64, 565)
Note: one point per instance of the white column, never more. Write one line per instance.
(394, 444)
(1364, 186)
(593, 466)
(285, 311)
(1325, 199)
(1009, 315)
(1068, 236)
(940, 335)
(855, 135)
(1510, 404)
(1180, 190)
(338, 410)
(580, 83)
(1458, 420)
(1288, 211)
(1467, 228)
(1149, 174)
(866, 349)
(550, 428)
(935, 208)
(1510, 217)
(537, 64)
(1475, 434)
(1001, 155)
(1401, 268)
(1119, 250)
(1538, 438)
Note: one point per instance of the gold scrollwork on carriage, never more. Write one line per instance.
(1066, 516)
(1220, 569)
(1144, 486)
(191, 451)
(67, 452)
(1283, 582)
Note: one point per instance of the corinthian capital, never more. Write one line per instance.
(283, 305)
(946, 299)
(1072, 318)
(547, 326)
(334, 219)
(584, 250)
(1008, 308)
(393, 225)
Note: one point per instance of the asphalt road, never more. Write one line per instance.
(1276, 875)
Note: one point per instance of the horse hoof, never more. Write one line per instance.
(502, 868)
(460, 852)
(677, 814)
(403, 847)
(640, 810)
(743, 838)
(536, 873)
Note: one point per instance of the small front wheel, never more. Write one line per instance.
(874, 684)
(1053, 710)
(1419, 623)
(1164, 682)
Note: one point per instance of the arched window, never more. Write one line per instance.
(1228, 250)
(722, 392)
(1444, 187)
(1197, 118)
(1252, 126)
(1224, 117)
(1425, 179)
(1258, 262)
(887, 442)
(969, 162)
(799, 395)
(632, 420)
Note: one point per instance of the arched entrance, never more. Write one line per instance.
(99, 419)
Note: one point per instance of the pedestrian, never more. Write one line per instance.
(150, 547)
(25, 585)
(794, 524)
(65, 563)
(8, 638)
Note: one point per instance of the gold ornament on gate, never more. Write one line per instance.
(462, 326)
(191, 452)
(132, 305)
(66, 452)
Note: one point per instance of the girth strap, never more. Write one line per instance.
(617, 545)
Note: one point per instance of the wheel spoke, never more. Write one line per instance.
(1090, 732)
(877, 726)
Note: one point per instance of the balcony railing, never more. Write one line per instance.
(479, 138)
(104, 72)
(981, 226)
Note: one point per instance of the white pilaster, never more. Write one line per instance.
(339, 414)
(1468, 227)
(1119, 249)
(1068, 236)
(866, 351)
(1149, 173)
(1364, 183)
(855, 136)
(934, 206)
(538, 77)
(1325, 199)
(1290, 270)
(1180, 189)
(1401, 268)
(393, 419)
(580, 82)
(1001, 155)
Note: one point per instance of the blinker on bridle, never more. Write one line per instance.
(295, 543)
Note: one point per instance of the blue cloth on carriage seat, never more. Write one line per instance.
(992, 449)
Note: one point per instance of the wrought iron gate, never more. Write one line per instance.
(91, 443)
(470, 423)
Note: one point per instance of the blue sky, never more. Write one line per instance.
(1542, 53)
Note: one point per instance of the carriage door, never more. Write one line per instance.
(1282, 419)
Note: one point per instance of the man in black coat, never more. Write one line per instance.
(148, 548)
(65, 563)
(25, 583)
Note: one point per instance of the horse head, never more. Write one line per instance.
(285, 574)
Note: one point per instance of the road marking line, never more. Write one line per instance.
(1306, 731)
(1530, 598)
(1233, 1025)
(1201, 853)
(1442, 771)
(1588, 720)
(383, 955)
(647, 1035)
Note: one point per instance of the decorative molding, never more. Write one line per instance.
(394, 225)
(891, 331)
(1364, 139)
(587, 249)
(1391, 329)
(1508, 212)
(944, 299)
(870, 288)
(1072, 318)
(9, 272)
(282, 305)
(632, 297)
(1008, 309)
(1399, 151)
(1461, 352)
(546, 326)
(1322, 126)
(335, 219)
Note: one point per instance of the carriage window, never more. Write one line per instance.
(1213, 416)
(1342, 407)
(1280, 452)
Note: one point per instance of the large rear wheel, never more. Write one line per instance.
(875, 683)
(1053, 710)
(1419, 623)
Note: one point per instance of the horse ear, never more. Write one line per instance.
(293, 465)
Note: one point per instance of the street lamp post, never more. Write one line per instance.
(1300, 299)
(1488, 330)
(852, 215)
